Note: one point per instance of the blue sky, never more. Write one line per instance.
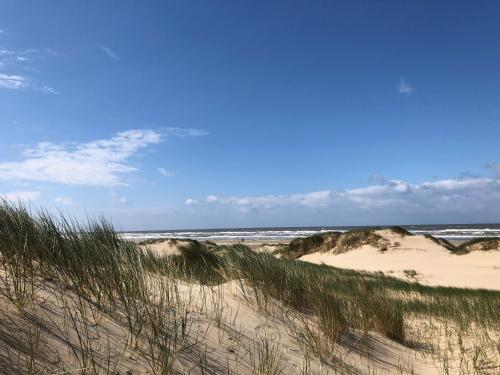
(176, 114)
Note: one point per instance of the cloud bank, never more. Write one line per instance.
(447, 195)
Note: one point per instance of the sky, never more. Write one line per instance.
(210, 114)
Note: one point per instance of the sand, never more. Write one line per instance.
(166, 248)
(228, 333)
(434, 264)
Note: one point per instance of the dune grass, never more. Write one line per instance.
(466, 247)
(401, 231)
(112, 276)
(337, 242)
(442, 242)
(305, 245)
(478, 244)
(341, 242)
(304, 285)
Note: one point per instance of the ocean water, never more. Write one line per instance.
(449, 232)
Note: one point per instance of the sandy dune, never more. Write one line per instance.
(167, 248)
(434, 264)
(228, 332)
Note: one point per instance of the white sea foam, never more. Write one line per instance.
(261, 234)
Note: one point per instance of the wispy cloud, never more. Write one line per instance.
(45, 89)
(191, 201)
(185, 132)
(102, 162)
(63, 200)
(16, 60)
(14, 196)
(13, 82)
(109, 52)
(404, 87)
(116, 198)
(99, 163)
(165, 172)
(377, 179)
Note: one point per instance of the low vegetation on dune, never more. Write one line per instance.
(475, 244)
(78, 299)
(357, 238)
(337, 242)
(317, 243)
(479, 244)
(341, 242)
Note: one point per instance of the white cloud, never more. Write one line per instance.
(404, 87)
(165, 172)
(63, 200)
(16, 82)
(23, 60)
(98, 163)
(14, 196)
(450, 194)
(245, 204)
(109, 52)
(13, 82)
(191, 201)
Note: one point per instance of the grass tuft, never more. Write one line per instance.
(441, 241)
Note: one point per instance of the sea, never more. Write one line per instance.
(459, 232)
